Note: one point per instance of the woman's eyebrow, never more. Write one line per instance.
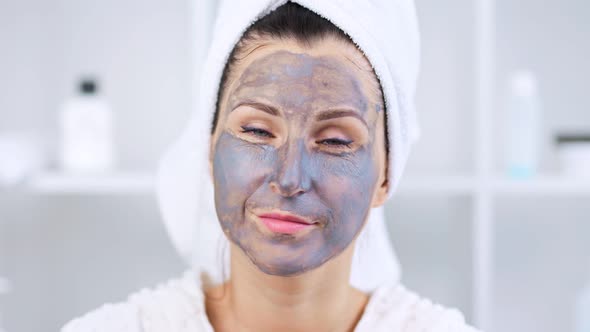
(339, 113)
(259, 106)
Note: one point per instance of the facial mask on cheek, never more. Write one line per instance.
(238, 169)
(346, 184)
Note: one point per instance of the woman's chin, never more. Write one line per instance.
(286, 263)
(284, 269)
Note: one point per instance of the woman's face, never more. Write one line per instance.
(300, 134)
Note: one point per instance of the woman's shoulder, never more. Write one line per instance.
(176, 305)
(394, 306)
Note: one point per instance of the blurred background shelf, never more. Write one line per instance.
(114, 183)
(445, 185)
(546, 185)
(144, 183)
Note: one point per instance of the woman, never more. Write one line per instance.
(306, 139)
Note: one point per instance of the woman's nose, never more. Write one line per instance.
(291, 176)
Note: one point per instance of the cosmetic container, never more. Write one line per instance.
(582, 307)
(86, 132)
(522, 124)
(4, 288)
(573, 152)
(22, 154)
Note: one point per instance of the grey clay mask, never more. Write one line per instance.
(295, 175)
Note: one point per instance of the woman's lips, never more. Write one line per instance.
(284, 223)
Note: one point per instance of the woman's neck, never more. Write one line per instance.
(318, 300)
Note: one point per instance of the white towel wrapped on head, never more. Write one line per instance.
(386, 31)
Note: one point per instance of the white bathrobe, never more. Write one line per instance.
(178, 306)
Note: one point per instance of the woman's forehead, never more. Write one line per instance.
(293, 80)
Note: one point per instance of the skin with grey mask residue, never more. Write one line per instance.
(277, 155)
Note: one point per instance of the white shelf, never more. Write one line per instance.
(112, 183)
(455, 185)
(543, 185)
(546, 185)
(144, 182)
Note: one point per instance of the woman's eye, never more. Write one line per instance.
(335, 142)
(256, 131)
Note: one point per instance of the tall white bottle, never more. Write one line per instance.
(86, 132)
(582, 308)
(4, 289)
(523, 126)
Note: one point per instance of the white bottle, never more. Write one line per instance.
(5, 288)
(582, 309)
(523, 122)
(86, 132)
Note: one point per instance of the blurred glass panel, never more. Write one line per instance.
(542, 260)
(446, 89)
(66, 255)
(432, 237)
